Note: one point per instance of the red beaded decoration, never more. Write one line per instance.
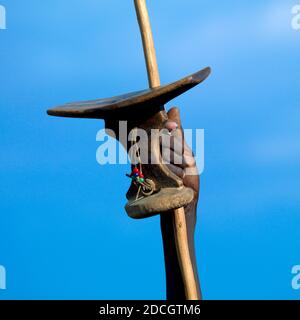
(137, 175)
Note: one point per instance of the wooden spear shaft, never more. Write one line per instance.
(179, 224)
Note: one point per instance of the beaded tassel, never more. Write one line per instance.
(136, 175)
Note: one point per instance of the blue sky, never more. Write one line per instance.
(61, 214)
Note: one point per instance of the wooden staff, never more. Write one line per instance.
(179, 222)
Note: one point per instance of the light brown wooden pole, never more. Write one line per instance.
(148, 43)
(180, 228)
(183, 254)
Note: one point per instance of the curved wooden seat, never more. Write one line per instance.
(142, 109)
(120, 106)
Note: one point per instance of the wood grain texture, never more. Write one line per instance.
(160, 203)
(181, 238)
(183, 254)
(145, 109)
(148, 43)
(120, 107)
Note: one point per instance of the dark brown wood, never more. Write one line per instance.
(120, 107)
(145, 110)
